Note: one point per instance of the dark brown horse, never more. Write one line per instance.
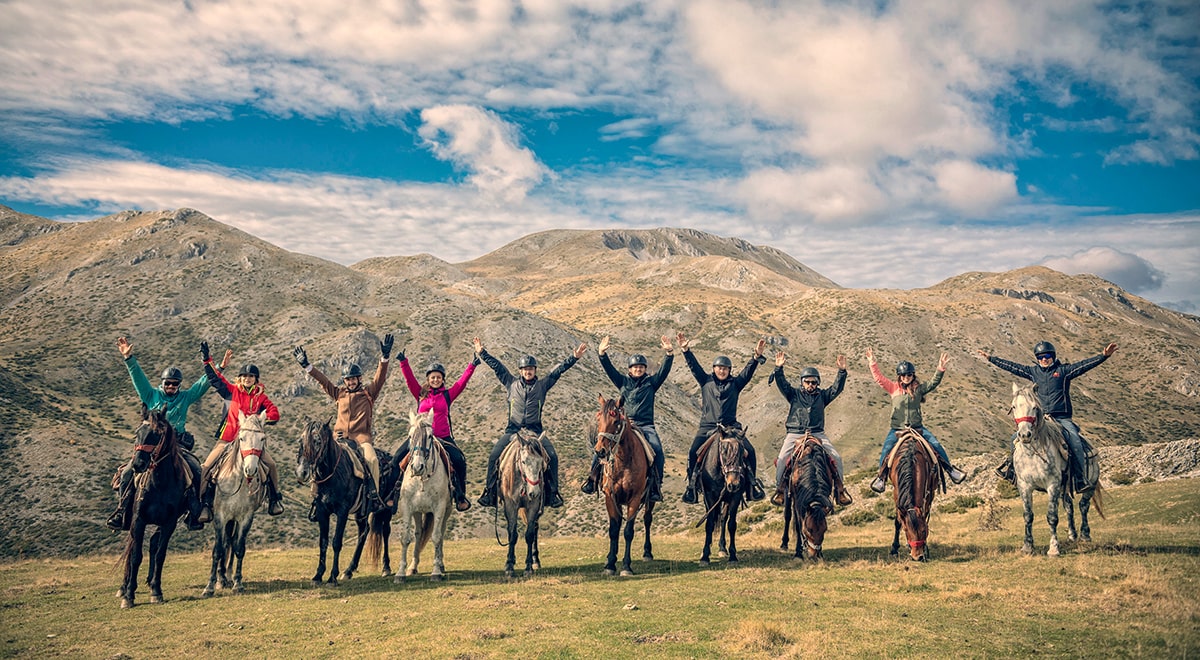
(807, 503)
(161, 484)
(725, 484)
(626, 467)
(915, 479)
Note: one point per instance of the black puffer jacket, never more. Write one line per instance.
(808, 410)
(719, 398)
(526, 398)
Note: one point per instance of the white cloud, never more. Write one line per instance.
(972, 189)
(1129, 271)
(482, 143)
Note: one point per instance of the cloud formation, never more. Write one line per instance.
(485, 145)
(1129, 271)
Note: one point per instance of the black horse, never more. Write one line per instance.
(725, 483)
(807, 503)
(160, 499)
(327, 465)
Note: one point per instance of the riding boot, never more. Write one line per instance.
(275, 499)
(120, 520)
(1005, 470)
(488, 498)
(879, 485)
(780, 494)
(206, 503)
(589, 485)
(956, 475)
(655, 484)
(371, 501)
(689, 493)
(193, 517)
(553, 498)
(460, 492)
(757, 492)
(839, 489)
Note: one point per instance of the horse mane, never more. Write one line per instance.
(906, 477)
(813, 482)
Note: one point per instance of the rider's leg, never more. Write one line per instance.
(397, 459)
(274, 495)
(193, 493)
(1075, 444)
(956, 475)
(785, 453)
(839, 486)
(756, 489)
(371, 460)
(889, 443)
(553, 498)
(656, 468)
(488, 498)
(459, 463)
(689, 494)
(119, 520)
(1005, 469)
(206, 482)
(589, 485)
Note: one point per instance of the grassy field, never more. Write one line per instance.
(1134, 592)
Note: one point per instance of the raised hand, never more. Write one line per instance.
(301, 356)
(870, 355)
(478, 346)
(204, 355)
(385, 346)
(666, 343)
(684, 344)
(1109, 350)
(983, 354)
(580, 351)
(759, 347)
(780, 358)
(603, 347)
(225, 360)
(943, 361)
(841, 362)
(125, 347)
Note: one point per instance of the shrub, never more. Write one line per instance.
(1123, 477)
(859, 518)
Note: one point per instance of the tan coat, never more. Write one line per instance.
(355, 410)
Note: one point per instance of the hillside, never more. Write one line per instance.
(169, 279)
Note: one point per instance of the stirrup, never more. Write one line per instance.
(462, 504)
(777, 498)
(116, 522)
(956, 475)
(275, 507)
(588, 486)
(689, 495)
(206, 514)
(878, 485)
(843, 497)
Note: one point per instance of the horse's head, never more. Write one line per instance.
(912, 482)
(251, 439)
(153, 440)
(531, 461)
(1026, 411)
(730, 456)
(814, 527)
(315, 441)
(610, 424)
(420, 442)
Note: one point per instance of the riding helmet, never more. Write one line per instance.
(249, 370)
(172, 373)
(436, 366)
(527, 361)
(1043, 347)
(906, 368)
(636, 359)
(722, 361)
(352, 371)
(810, 372)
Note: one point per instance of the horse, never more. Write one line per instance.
(425, 498)
(327, 465)
(161, 497)
(1040, 464)
(725, 484)
(807, 502)
(241, 481)
(915, 477)
(626, 468)
(522, 465)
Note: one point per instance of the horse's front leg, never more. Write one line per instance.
(439, 537)
(1027, 501)
(323, 543)
(631, 518)
(510, 516)
(1052, 519)
(731, 523)
(1069, 505)
(614, 529)
(406, 539)
(647, 518)
(710, 521)
(339, 532)
(364, 527)
(239, 553)
(895, 552)
(385, 531)
(722, 520)
(787, 525)
(133, 562)
(798, 522)
(531, 534)
(418, 524)
(218, 553)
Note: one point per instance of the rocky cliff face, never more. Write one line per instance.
(168, 280)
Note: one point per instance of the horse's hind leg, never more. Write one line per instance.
(439, 539)
(339, 532)
(787, 522)
(1027, 501)
(531, 563)
(1069, 505)
(364, 526)
(133, 563)
(647, 519)
(239, 551)
(323, 526)
(153, 569)
(626, 568)
(709, 523)
(218, 552)
(511, 562)
(731, 523)
(1052, 519)
(1085, 530)
(895, 552)
(722, 549)
(385, 533)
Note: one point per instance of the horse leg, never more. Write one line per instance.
(364, 527)
(709, 522)
(155, 591)
(323, 527)
(339, 533)
(722, 549)
(439, 536)
(228, 530)
(510, 515)
(647, 518)
(1027, 500)
(798, 522)
(419, 521)
(406, 539)
(1085, 530)
(239, 549)
(1052, 519)
(1069, 505)
(896, 538)
(614, 529)
(626, 569)
(385, 532)
(133, 563)
(787, 521)
(731, 523)
(531, 532)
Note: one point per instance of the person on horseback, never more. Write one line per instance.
(526, 396)
(807, 417)
(247, 397)
(1053, 385)
(638, 390)
(907, 396)
(176, 400)
(435, 396)
(719, 392)
(356, 410)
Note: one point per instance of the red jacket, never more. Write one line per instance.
(247, 403)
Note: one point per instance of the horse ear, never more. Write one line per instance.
(601, 397)
(263, 416)
(621, 401)
(241, 417)
(1016, 389)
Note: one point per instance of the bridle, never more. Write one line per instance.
(315, 457)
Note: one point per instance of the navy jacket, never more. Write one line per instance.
(638, 392)
(1053, 382)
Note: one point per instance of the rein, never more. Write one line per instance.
(320, 456)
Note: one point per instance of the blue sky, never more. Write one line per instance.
(884, 144)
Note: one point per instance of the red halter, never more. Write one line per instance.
(1031, 420)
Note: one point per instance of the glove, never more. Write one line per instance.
(399, 356)
(204, 351)
(385, 346)
(301, 356)
(475, 360)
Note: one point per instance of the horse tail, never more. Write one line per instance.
(374, 543)
(1098, 501)
(426, 532)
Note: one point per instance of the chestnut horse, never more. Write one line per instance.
(623, 456)
(807, 502)
(915, 477)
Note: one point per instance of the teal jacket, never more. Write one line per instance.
(154, 397)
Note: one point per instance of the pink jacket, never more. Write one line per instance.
(435, 400)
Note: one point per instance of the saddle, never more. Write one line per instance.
(645, 445)
(919, 438)
(799, 449)
(441, 449)
(356, 459)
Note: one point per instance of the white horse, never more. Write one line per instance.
(1039, 462)
(240, 488)
(425, 501)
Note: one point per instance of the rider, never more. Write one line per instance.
(435, 396)
(807, 416)
(356, 410)
(167, 395)
(638, 390)
(1053, 381)
(907, 396)
(719, 394)
(526, 396)
(248, 397)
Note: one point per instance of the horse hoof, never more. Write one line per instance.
(156, 599)
(508, 572)
(126, 603)
(385, 573)
(722, 553)
(610, 571)
(704, 562)
(528, 572)
(648, 557)
(239, 589)
(1087, 538)
(537, 566)
(1027, 549)
(627, 573)
(732, 561)
(208, 592)
(437, 577)
(347, 575)
(399, 579)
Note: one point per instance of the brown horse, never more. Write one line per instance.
(522, 495)
(915, 477)
(623, 456)
(725, 483)
(807, 503)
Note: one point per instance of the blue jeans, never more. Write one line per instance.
(890, 442)
(651, 434)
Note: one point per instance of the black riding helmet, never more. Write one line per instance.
(722, 361)
(527, 361)
(436, 367)
(1043, 348)
(352, 371)
(636, 359)
(810, 372)
(172, 373)
(906, 368)
(249, 370)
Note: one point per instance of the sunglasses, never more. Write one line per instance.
(1046, 356)
(811, 381)
(170, 383)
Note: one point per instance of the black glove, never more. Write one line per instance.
(301, 356)
(385, 346)
(399, 356)
(204, 351)
(475, 360)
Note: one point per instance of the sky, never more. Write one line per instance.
(883, 144)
